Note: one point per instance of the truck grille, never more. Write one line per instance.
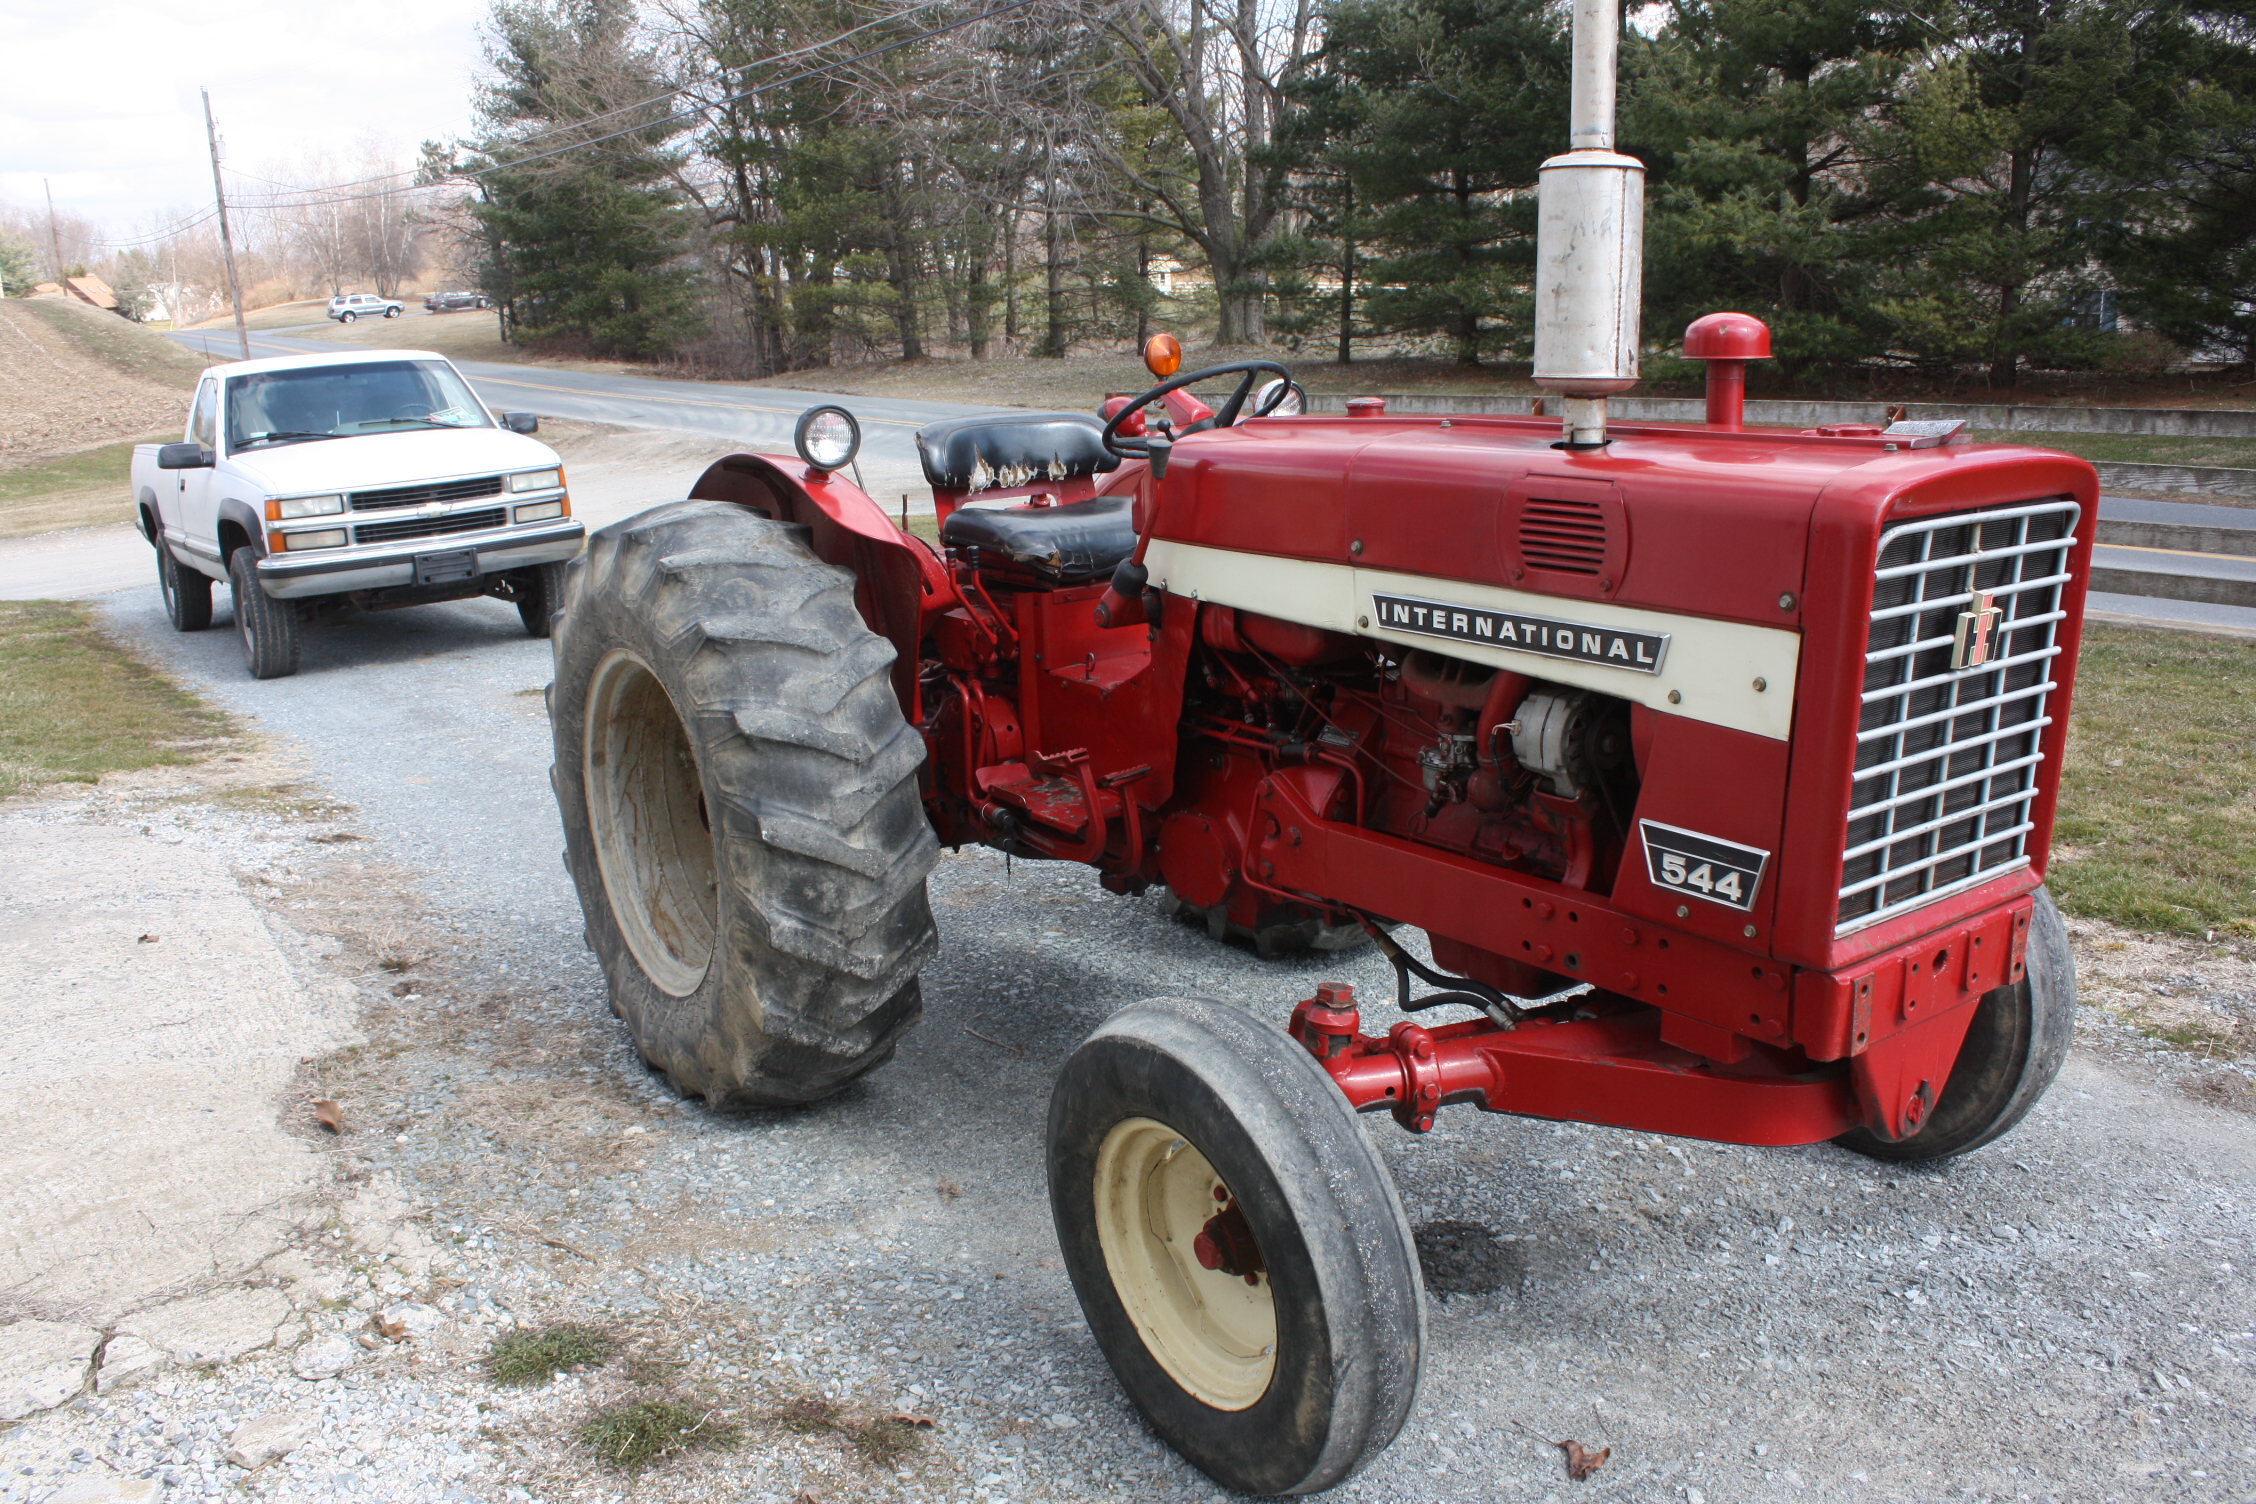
(415, 496)
(431, 527)
(1948, 759)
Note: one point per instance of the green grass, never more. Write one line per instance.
(131, 348)
(75, 705)
(87, 489)
(879, 1440)
(637, 1434)
(2157, 825)
(536, 1357)
(2136, 449)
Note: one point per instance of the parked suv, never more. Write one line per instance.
(314, 485)
(363, 305)
(454, 302)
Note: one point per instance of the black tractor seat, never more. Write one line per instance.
(1069, 545)
(1001, 451)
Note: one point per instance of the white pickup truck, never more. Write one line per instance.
(319, 484)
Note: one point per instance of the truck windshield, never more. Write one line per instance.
(334, 402)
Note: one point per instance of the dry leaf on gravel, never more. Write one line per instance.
(807, 1496)
(925, 1422)
(147, 940)
(329, 1115)
(1580, 1463)
(390, 1328)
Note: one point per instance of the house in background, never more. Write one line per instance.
(86, 289)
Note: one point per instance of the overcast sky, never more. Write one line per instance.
(101, 97)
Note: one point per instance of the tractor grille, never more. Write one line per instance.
(1948, 759)
(415, 496)
(1566, 536)
(431, 527)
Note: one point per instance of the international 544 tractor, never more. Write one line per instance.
(1718, 767)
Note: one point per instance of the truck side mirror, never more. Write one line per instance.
(183, 457)
(521, 422)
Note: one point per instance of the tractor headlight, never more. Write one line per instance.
(1280, 399)
(328, 537)
(827, 438)
(537, 480)
(303, 506)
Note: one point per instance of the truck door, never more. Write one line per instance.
(196, 503)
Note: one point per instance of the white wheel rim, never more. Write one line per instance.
(1214, 1334)
(651, 841)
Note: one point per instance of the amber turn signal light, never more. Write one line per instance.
(1163, 355)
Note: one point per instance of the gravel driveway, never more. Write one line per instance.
(2065, 1315)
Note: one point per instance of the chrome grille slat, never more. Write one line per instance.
(1936, 642)
(1949, 760)
(432, 527)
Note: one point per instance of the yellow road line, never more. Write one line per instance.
(2182, 553)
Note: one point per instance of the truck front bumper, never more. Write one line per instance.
(339, 571)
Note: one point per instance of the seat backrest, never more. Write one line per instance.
(1004, 450)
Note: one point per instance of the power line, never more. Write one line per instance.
(517, 163)
(552, 130)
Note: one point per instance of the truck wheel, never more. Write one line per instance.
(347, 316)
(268, 627)
(391, 313)
(1237, 1245)
(187, 592)
(541, 596)
(2013, 1049)
(740, 803)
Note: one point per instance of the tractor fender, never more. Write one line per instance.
(904, 586)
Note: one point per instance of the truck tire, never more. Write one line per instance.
(347, 316)
(741, 812)
(187, 592)
(2013, 1049)
(1237, 1245)
(268, 627)
(541, 596)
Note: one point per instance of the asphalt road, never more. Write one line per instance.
(759, 418)
(2066, 1315)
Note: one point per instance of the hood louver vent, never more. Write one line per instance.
(1567, 537)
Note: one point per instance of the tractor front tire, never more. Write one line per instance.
(2013, 1049)
(741, 814)
(1237, 1245)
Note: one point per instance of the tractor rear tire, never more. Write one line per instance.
(741, 813)
(2013, 1049)
(1237, 1245)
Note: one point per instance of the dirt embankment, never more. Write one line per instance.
(74, 377)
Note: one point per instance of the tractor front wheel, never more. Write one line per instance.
(2013, 1049)
(1237, 1245)
(739, 795)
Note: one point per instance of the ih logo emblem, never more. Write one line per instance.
(1975, 642)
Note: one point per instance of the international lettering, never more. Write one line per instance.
(1638, 652)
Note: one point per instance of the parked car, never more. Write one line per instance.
(314, 484)
(455, 302)
(364, 305)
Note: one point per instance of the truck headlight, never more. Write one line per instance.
(328, 537)
(540, 511)
(537, 480)
(303, 506)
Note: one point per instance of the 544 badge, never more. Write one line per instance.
(1684, 861)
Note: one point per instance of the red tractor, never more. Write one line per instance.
(1717, 766)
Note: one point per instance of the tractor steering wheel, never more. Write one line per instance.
(1135, 448)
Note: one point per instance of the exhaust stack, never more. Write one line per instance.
(1589, 242)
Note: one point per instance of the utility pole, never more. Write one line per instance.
(54, 237)
(226, 237)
